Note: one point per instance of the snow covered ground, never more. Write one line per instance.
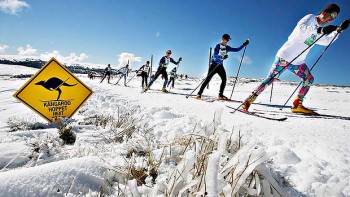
(312, 153)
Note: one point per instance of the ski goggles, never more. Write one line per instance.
(334, 15)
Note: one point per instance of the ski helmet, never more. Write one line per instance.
(226, 37)
(168, 51)
(147, 62)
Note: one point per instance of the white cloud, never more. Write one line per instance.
(13, 7)
(125, 57)
(29, 50)
(3, 48)
(69, 59)
(246, 59)
(157, 34)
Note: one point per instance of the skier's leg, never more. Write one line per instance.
(222, 73)
(119, 79)
(165, 75)
(146, 79)
(278, 67)
(154, 78)
(303, 72)
(169, 81)
(173, 83)
(124, 80)
(143, 80)
(211, 73)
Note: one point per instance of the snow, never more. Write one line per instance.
(46, 179)
(312, 153)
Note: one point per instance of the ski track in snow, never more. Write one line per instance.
(313, 153)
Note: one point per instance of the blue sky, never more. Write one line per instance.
(99, 31)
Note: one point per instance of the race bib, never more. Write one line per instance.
(309, 41)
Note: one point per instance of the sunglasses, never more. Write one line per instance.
(168, 53)
(334, 15)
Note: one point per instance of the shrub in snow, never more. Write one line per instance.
(24, 123)
(215, 164)
(66, 131)
(44, 148)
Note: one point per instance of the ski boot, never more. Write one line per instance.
(147, 88)
(164, 90)
(249, 101)
(299, 108)
(222, 97)
(198, 97)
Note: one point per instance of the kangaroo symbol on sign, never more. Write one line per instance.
(55, 83)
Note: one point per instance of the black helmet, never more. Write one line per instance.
(226, 37)
(147, 62)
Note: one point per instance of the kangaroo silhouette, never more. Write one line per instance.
(54, 83)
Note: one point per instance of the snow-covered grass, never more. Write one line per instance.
(124, 139)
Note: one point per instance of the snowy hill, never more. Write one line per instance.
(121, 133)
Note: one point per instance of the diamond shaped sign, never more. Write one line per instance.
(54, 92)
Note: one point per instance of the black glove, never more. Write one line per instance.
(327, 30)
(180, 59)
(225, 57)
(344, 25)
(246, 43)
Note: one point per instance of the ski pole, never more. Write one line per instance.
(239, 68)
(276, 74)
(210, 53)
(132, 76)
(311, 68)
(188, 95)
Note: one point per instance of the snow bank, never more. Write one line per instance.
(69, 176)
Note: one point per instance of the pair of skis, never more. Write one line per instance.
(256, 114)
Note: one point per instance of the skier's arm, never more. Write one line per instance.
(231, 49)
(162, 61)
(326, 39)
(173, 61)
(216, 52)
(140, 68)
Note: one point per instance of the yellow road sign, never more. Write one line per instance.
(54, 92)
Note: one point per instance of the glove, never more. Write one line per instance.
(225, 57)
(327, 30)
(246, 43)
(180, 59)
(344, 25)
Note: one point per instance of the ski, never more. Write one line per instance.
(256, 114)
(209, 100)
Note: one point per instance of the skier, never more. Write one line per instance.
(173, 75)
(123, 72)
(304, 34)
(163, 64)
(145, 71)
(108, 71)
(217, 65)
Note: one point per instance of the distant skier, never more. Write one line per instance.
(163, 64)
(173, 76)
(217, 65)
(108, 71)
(145, 71)
(123, 72)
(304, 34)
